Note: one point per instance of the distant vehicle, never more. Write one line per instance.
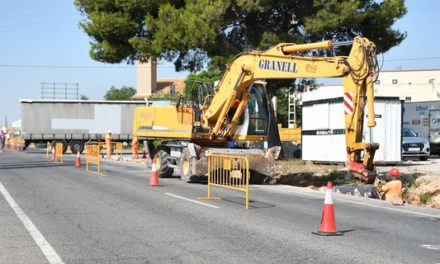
(414, 146)
(424, 119)
(74, 122)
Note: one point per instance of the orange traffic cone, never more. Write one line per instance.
(78, 160)
(154, 181)
(328, 227)
(53, 154)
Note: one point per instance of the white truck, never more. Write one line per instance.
(424, 119)
(74, 122)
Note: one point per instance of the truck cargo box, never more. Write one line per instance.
(76, 120)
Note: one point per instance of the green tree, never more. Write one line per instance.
(203, 80)
(188, 32)
(83, 97)
(124, 93)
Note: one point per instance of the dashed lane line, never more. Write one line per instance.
(46, 248)
(191, 200)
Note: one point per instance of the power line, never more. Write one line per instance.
(40, 15)
(37, 7)
(35, 24)
(129, 67)
(75, 66)
(414, 59)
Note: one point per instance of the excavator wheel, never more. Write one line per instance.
(186, 166)
(162, 164)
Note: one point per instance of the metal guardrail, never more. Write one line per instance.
(230, 172)
(59, 152)
(93, 155)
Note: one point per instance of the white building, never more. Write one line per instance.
(413, 85)
(410, 85)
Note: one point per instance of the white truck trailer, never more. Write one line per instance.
(74, 122)
(424, 119)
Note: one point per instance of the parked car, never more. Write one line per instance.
(414, 146)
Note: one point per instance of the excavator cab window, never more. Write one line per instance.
(257, 109)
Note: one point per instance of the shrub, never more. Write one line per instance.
(424, 197)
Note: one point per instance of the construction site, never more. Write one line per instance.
(243, 132)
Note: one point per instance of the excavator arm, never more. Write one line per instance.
(285, 61)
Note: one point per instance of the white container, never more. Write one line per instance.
(323, 132)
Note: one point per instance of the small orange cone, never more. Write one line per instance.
(78, 160)
(53, 154)
(154, 180)
(328, 227)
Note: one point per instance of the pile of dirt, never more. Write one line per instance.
(424, 191)
(301, 173)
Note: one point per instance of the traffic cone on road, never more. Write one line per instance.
(53, 154)
(154, 180)
(78, 160)
(328, 227)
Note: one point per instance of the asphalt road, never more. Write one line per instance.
(75, 216)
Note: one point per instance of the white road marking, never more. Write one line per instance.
(193, 201)
(39, 239)
(321, 195)
(432, 247)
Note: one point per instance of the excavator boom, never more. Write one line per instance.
(284, 62)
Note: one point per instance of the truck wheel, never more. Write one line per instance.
(54, 143)
(162, 164)
(186, 166)
(77, 146)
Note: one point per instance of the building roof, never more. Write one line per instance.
(415, 70)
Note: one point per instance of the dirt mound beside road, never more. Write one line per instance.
(425, 191)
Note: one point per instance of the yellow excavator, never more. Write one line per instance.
(236, 109)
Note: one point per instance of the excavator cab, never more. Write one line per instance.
(258, 110)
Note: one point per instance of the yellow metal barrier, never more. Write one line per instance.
(117, 146)
(290, 134)
(230, 172)
(11, 144)
(93, 156)
(59, 152)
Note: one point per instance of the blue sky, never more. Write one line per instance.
(35, 36)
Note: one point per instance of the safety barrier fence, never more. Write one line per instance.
(93, 155)
(230, 172)
(116, 146)
(14, 144)
(59, 152)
